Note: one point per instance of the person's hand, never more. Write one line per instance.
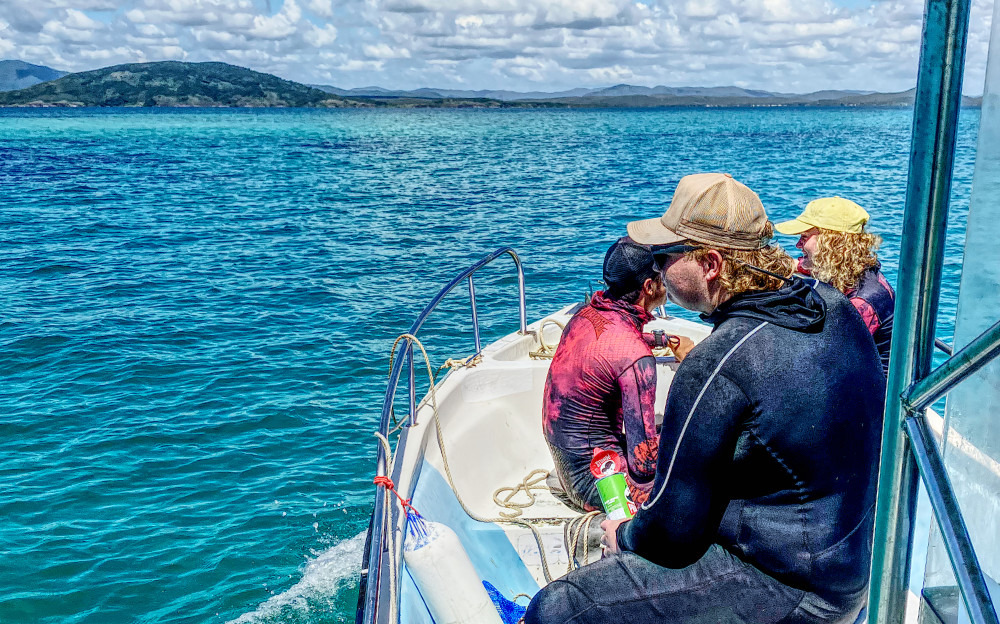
(684, 346)
(609, 541)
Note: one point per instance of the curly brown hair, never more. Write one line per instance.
(736, 277)
(841, 257)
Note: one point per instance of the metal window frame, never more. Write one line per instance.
(909, 452)
(372, 563)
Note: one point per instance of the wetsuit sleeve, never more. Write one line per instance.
(868, 313)
(638, 387)
(703, 420)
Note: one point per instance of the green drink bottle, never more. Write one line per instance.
(608, 468)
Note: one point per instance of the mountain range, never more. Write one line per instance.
(19, 75)
(615, 91)
(175, 83)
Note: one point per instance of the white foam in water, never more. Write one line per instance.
(321, 578)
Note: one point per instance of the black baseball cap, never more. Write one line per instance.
(627, 266)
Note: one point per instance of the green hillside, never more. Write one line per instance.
(173, 83)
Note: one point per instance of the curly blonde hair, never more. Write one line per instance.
(841, 257)
(737, 278)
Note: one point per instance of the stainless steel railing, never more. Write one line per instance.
(373, 563)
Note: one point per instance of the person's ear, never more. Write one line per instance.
(712, 264)
(649, 287)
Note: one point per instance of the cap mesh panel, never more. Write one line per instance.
(725, 212)
(626, 266)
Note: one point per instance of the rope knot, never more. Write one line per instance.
(387, 483)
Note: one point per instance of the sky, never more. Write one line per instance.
(793, 46)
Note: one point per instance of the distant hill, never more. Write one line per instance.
(903, 98)
(515, 96)
(465, 94)
(835, 99)
(173, 83)
(19, 75)
(630, 90)
(632, 96)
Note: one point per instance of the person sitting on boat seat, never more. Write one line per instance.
(837, 250)
(602, 381)
(763, 501)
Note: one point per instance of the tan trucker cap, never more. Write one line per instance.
(710, 208)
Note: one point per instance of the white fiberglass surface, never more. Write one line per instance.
(491, 421)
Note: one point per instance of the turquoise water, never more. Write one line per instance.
(197, 310)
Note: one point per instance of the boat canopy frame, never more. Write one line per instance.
(909, 452)
(376, 544)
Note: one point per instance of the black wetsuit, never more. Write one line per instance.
(763, 502)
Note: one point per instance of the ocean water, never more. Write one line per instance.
(198, 308)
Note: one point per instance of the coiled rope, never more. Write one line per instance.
(575, 527)
(545, 351)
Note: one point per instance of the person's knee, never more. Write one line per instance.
(558, 601)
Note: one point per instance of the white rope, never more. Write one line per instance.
(545, 351)
(508, 517)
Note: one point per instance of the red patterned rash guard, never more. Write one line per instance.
(875, 300)
(599, 394)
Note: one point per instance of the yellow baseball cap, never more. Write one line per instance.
(829, 213)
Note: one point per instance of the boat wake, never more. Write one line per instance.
(314, 597)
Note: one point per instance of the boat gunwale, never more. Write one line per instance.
(375, 543)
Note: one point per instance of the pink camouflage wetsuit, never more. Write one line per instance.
(599, 394)
(874, 299)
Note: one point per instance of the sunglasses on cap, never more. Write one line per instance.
(660, 252)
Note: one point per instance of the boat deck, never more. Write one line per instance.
(490, 417)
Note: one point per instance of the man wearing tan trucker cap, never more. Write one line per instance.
(762, 505)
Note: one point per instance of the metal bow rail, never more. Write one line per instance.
(909, 451)
(373, 561)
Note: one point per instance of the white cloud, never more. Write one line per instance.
(816, 51)
(74, 28)
(87, 5)
(699, 10)
(149, 30)
(382, 51)
(534, 69)
(168, 52)
(469, 21)
(111, 55)
(279, 26)
(779, 45)
(321, 37)
(322, 8)
(77, 20)
(219, 40)
(616, 74)
(355, 65)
